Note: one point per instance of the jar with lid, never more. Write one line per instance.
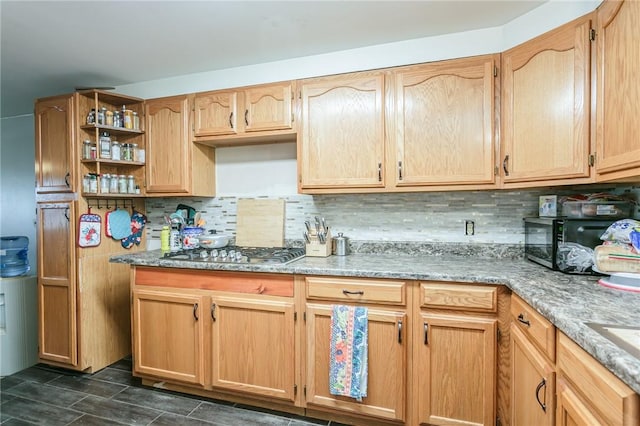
(128, 119)
(131, 184)
(134, 152)
(105, 145)
(115, 150)
(136, 121)
(101, 116)
(94, 152)
(93, 183)
(85, 183)
(122, 184)
(113, 184)
(91, 117)
(117, 119)
(109, 118)
(86, 149)
(126, 152)
(105, 180)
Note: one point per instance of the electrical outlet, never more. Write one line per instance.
(469, 227)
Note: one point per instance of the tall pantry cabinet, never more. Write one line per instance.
(83, 300)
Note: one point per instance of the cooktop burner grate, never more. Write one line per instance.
(236, 254)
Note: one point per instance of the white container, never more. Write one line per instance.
(18, 324)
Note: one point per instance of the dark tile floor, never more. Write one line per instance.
(42, 395)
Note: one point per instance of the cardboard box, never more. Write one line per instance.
(548, 206)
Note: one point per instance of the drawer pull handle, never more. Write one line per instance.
(246, 117)
(524, 321)
(231, 120)
(426, 333)
(400, 332)
(505, 162)
(213, 311)
(347, 292)
(195, 311)
(540, 385)
(66, 180)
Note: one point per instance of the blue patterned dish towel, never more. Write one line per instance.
(348, 361)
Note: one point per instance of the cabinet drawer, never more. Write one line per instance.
(537, 328)
(239, 282)
(458, 296)
(356, 290)
(609, 398)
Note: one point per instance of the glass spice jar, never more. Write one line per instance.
(93, 183)
(105, 180)
(113, 184)
(105, 145)
(86, 149)
(115, 150)
(131, 184)
(136, 121)
(122, 184)
(109, 118)
(126, 152)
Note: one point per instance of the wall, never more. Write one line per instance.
(17, 177)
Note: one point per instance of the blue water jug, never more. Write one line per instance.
(14, 259)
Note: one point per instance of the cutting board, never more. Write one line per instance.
(260, 223)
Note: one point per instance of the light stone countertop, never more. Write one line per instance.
(568, 301)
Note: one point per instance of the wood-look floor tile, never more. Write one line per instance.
(114, 375)
(86, 385)
(47, 394)
(36, 374)
(232, 416)
(89, 420)
(158, 400)
(38, 412)
(116, 410)
(168, 419)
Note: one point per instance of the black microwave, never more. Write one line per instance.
(547, 240)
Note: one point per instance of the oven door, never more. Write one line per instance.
(540, 241)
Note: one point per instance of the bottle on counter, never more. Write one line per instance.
(164, 238)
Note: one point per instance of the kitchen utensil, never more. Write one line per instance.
(213, 240)
(340, 245)
(89, 229)
(260, 223)
(188, 213)
(324, 225)
(306, 237)
(307, 225)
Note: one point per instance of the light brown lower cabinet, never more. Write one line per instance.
(455, 353)
(215, 331)
(588, 394)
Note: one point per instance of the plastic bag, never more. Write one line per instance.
(619, 231)
(574, 258)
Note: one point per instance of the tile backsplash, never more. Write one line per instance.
(432, 217)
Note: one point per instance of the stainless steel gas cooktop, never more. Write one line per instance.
(235, 254)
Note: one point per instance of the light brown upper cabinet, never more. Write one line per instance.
(342, 137)
(264, 113)
(444, 123)
(618, 90)
(545, 108)
(175, 165)
(54, 144)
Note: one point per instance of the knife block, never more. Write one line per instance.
(316, 248)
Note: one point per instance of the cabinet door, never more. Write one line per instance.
(268, 107)
(168, 145)
(618, 74)
(456, 370)
(54, 144)
(216, 113)
(387, 364)
(545, 106)
(57, 322)
(341, 144)
(168, 335)
(445, 123)
(571, 410)
(252, 346)
(532, 383)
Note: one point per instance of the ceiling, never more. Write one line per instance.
(51, 47)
